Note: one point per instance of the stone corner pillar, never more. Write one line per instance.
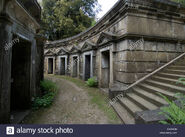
(5, 67)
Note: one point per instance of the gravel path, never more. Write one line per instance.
(71, 106)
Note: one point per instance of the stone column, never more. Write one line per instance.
(5, 67)
(46, 61)
(111, 67)
(33, 69)
(54, 65)
(39, 63)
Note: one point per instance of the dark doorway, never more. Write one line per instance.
(105, 69)
(20, 76)
(75, 64)
(87, 67)
(62, 66)
(50, 65)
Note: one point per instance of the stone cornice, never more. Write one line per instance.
(138, 36)
(28, 14)
(5, 18)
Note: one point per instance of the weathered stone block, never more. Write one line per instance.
(135, 56)
(150, 46)
(161, 46)
(121, 56)
(128, 78)
(170, 47)
(150, 56)
(179, 47)
(162, 56)
(123, 45)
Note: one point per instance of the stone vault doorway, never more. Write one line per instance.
(87, 67)
(75, 66)
(50, 65)
(62, 66)
(105, 69)
(20, 76)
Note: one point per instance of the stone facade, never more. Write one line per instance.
(21, 55)
(133, 39)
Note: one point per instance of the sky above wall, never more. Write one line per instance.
(105, 6)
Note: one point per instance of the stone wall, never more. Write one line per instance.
(136, 63)
(139, 35)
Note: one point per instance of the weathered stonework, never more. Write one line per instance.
(133, 39)
(21, 63)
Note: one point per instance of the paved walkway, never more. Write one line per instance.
(72, 106)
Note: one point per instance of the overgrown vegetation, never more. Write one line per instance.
(49, 89)
(174, 113)
(92, 82)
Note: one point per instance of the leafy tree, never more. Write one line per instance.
(65, 18)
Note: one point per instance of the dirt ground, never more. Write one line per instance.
(71, 106)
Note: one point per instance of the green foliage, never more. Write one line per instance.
(65, 18)
(175, 114)
(92, 82)
(181, 81)
(49, 89)
(48, 86)
(180, 1)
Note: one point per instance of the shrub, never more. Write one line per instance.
(92, 82)
(49, 89)
(48, 86)
(174, 114)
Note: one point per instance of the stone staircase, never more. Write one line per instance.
(142, 98)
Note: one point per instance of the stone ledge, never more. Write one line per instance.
(149, 117)
(117, 89)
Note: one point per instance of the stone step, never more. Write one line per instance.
(156, 91)
(167, 80)
(177, 67)
(172, 76)
(124, 115)
(165, 86)
(158, 101)
(141, 102)
(129, 106)
(180, 62)
(174, 71)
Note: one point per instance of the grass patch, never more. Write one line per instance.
(97, 97)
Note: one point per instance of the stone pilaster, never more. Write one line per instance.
(5, 67)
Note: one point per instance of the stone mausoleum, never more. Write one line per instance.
(135, 40)
(21, 57)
